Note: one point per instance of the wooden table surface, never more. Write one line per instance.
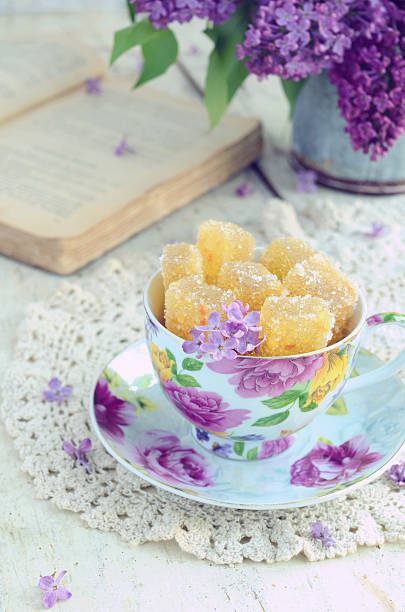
(104, 573)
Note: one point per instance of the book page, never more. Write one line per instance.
(34, 69)
(59, 171)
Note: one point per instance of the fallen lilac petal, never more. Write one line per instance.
(84, 446)
(54, 384)
(49, 396)
(244, 190)
(123, 147)
(45, 582)
(377, 230)
(68, 448)
(306, 181)
(49, 599)
(93, 86)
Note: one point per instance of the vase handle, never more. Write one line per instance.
(388, 369)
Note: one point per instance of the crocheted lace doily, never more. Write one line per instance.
(74, 333)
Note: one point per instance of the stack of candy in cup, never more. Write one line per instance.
(294, 300)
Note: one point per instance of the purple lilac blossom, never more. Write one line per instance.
(206, 409)
(326, 465)
(306, 181)
(371, 80)
(163, 12)
(377, 230)
(93, 86)
(295, 38)
(397, 473)
(53, 590)
(162, 454)
(269, 377)
(319, 532)
(112, 413)
(123, 147)
(219, 348)
(56, 393)
(271, 448)
(237, 335)
(79, 452)
(191, 346)
(244, 190)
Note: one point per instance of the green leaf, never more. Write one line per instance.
(159, 53)
(131, 11)
(225, 72)
(325, 441)
(133, 35)
(192, 364)
(310, 407)
(303, 399)
(338, 408)
(216, 89)
(172, 358)
(274, 419)
(252, 453)
(288, 397)
(185, 380)
(142, 382)
(391, 316)
(145, 403)
(291, 90)
(238, 448)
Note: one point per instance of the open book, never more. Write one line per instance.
(66, 197)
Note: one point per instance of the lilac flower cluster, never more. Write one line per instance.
(371, 80)
(238, 335)
(163, 12)
(295, 38)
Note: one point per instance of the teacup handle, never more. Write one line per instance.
(387, 370)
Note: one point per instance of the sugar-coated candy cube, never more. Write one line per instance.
(189, 301)
(220, 241)
(283, 253)
(319, 277)
(294, 325)
(249, 281)
(180, 259)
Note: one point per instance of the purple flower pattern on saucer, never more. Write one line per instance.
(112, 413)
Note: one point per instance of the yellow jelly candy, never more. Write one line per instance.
(249, 281)
(294, 325)
(189, 301)
(220, 241)
(283, 253)
(318, 276)
(179, 260)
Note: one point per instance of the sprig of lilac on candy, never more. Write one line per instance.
(237, 335)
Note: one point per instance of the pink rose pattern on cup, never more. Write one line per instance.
(258, 377)
(206, 409)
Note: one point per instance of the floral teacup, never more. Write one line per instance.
(233, 404)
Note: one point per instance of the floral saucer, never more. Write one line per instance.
(352, 444)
